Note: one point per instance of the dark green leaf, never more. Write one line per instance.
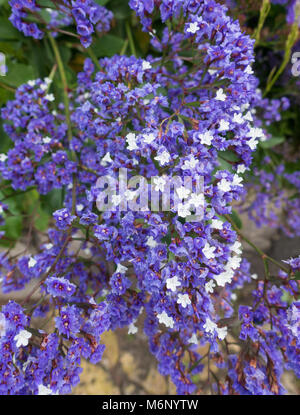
(297, 275)
(107, 45)
(274, 141)
(236, 219)
(18, 74)
(13, 227)
(7, 30)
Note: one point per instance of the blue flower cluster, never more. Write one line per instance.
(176, 114)
(88, 16)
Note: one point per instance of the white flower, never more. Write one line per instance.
(149, 138)
(183, 192)
(217, 224)
(224, 125)
(249, 70)
(163, 318)
(121, 269)
(31, 83)
(237, 180)
(193, 339)
(173, 283)
(209, 326)
(79, 207)
(252, 143)
(49, 97)
(163, 158)
(183, 210)
(254, 276)
(241, 168)
(48, 81)
(209, 286)
(248, 116)
(220, 95)
(32, 262)
(146, 65)
(238, 118)
(206, 138)
(159, 183)
(22, 338)
(151, 242)
(184, 300)
(3, 157)
(212, 71)
(244, 107)
(131, 141)
(106, 159)
(43, 390)
(48, 246)
(1, 210)
(234, 262)
(47, 140)
(256, 133)
(224, 185)
(236, 247)
(208, 251)
(132, 329)
(196, 200)
(222, 332)
(224, 278)
(190, 164)
(193, 28)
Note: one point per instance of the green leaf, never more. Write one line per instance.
(52, 201)
(236, 219)
(7, 30)
(46, 3)
(120, 9)
(101, 2)
(42, 221)
(13, 227)
(297, 275)
(5, 96)
(223, 164)
(229, 155)
(274, 141)
(18, 74)
(107, 45)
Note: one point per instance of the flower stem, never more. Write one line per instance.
(93, 57)
(256, 248)
(130, 39)
(64, 82)
(67, 110)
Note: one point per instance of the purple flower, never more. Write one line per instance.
(63, 218)
(68, 322)
(60, 287)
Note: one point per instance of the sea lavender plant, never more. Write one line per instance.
(187, 110)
